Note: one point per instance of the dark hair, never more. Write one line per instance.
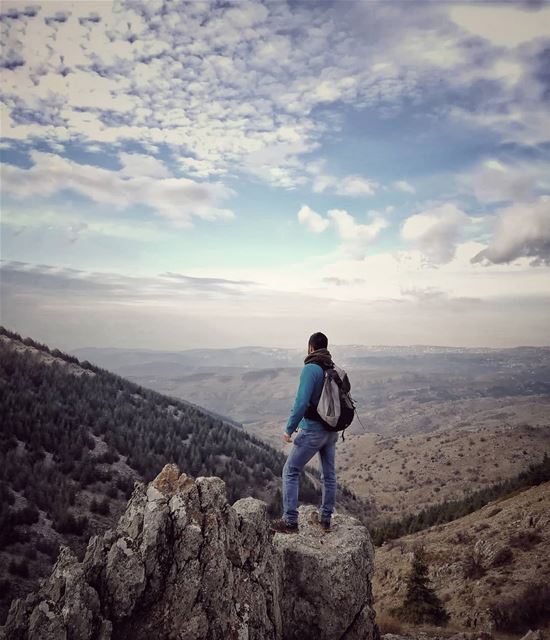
(318, 341)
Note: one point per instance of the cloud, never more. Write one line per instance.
(355, 236)
(61, 219)
(437, 297)
(405, 186)
(201, 283)
(177, 200)
(352, 232)
(521, 231)
(245, 88)
(423, 294)
(139, 165)
(354, 186)
(436, 231)
(515, 25)
(42, 281)
(495, 181)
(73, 231)
(312, 220)
(341, 282)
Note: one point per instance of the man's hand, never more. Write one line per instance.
(286, 438)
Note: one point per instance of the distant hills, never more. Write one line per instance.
(257, 357)
(398, 389)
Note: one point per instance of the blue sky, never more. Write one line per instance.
(207, 174)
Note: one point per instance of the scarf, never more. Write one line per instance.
(321, 357)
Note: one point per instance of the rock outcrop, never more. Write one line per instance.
(183, 563)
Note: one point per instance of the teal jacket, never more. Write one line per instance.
(309, 392)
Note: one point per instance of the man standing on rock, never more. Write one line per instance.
(313, 438)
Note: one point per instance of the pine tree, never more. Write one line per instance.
(421, 603)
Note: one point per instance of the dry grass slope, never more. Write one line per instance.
(479, 564)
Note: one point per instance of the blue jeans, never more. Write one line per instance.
(306, 445)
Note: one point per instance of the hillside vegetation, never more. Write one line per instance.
(452, 510)
(75, 438)
(490, 567)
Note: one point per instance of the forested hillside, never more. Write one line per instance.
(74, 439)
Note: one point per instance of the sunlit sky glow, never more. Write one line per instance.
(187, 174)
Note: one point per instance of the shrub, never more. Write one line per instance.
(525, 539)
(101, 507)
(4, 588)
(48, 547)
(112, 491)
(523, 612)
(30, 553)
(503, 556)
(108, 457)
(19, 568)
(26, 515)
(472, 567)
(69, 523)
(461, 537)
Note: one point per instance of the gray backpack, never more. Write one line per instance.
(336, 408)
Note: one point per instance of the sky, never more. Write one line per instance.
(220, 174)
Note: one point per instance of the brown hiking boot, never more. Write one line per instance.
(282, 526)
(316, 520)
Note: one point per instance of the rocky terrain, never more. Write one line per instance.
(491, 568)
(182, 562)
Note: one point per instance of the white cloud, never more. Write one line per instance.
(503, 26)
(405, 186)
(352, 232)
(436, 231)
(139, 165)
(521, 230)
(178, 200)
(355, 186)
(494, 181)
(312, 220)
(222, 87)
(351, 185)
(355, 237)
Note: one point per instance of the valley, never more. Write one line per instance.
(435, 422)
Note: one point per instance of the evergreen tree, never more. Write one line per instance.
(421, 603)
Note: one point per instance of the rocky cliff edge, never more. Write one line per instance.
(183, 563)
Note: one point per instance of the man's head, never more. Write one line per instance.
(317, 341)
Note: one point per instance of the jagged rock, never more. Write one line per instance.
(183, 563)
(533, 635)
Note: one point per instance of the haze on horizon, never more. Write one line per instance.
(208, 174)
